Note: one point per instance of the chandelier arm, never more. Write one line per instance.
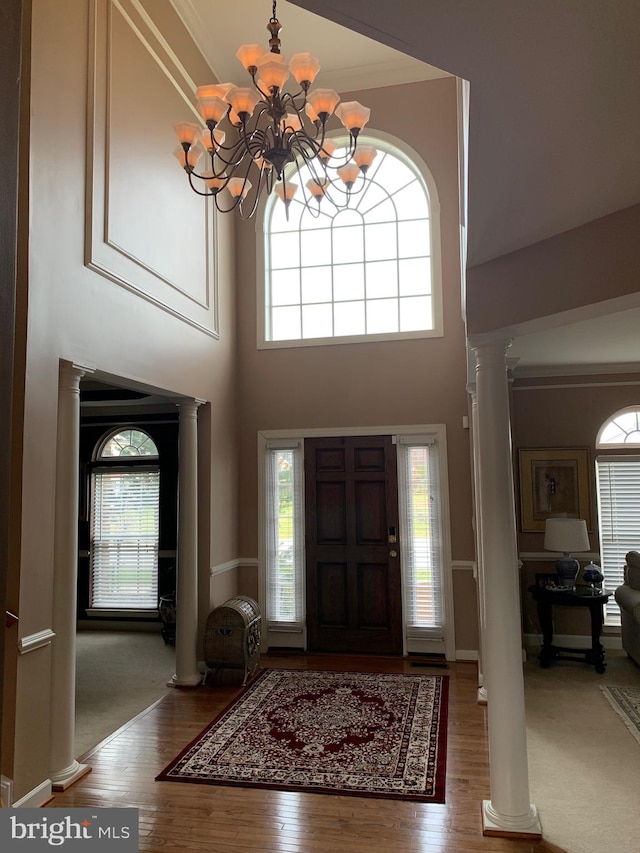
(314, 210)
(254, 142)
(265, 95)
(234, 161)
(235, 204)
(195, 188)
(292, 97)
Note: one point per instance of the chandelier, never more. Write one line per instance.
(257, 137)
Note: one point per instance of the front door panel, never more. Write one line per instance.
(353, 571)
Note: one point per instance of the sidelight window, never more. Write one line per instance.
(284, 549)
(420, 514)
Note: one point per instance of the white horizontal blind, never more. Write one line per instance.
(285, 540)
(421, 543)
(618, 482)
(124, 539)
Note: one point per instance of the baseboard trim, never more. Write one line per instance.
(6, 791)
(36, 798)
(466, 654)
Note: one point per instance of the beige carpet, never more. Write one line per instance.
(584, 764)
(118, 675)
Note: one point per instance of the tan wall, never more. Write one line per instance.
(368, 384)
(596, 262)
(136, 299)
(556, 417)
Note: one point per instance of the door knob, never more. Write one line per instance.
(393, 553)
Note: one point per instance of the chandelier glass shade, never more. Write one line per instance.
(256, 138)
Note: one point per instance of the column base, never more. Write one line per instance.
(185, 680)
(523, 826)
(63, 780)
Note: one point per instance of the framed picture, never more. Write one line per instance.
(553, 482)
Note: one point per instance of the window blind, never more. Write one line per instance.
(419, 495)
(124, 539)
(284, 532)
(618, 483)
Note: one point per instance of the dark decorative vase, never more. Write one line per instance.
(592, 575)
(567, 569)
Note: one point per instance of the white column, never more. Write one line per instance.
(482, 689)
(187, 673)
(509, 810)
(63, 767)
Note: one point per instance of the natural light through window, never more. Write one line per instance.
(622, 429)
(284, 537)
(364, 270)
(420, 513)
(125, 523)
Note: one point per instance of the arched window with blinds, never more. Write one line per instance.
(124, 523)
(618, 489)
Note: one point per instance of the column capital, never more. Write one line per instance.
(71, 373)
(490, 348)
(189, 405)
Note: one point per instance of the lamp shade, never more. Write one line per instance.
(566, 535)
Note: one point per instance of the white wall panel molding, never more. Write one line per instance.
(32, 642)
(221, 568)
(145, 229)
(464, 566)
(551, 557)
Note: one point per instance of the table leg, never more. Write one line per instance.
(596, 656)
(545, 617)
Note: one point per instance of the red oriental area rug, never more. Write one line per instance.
(363, 734)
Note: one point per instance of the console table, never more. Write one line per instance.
(546, 598)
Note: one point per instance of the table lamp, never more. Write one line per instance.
(566, 535)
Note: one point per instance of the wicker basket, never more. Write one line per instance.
(232, 636)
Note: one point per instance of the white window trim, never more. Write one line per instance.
(296, 638)
(631, 446)
(412, 158)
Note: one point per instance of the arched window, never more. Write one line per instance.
(124, 527)
(370, 270)
(618, 488)
(622, 430)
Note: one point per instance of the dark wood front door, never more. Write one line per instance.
(353, 564)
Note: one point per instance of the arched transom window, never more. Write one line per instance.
(622, 430)
(128, 442)
(367, 270)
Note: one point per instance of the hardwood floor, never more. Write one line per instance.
(179, 817)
